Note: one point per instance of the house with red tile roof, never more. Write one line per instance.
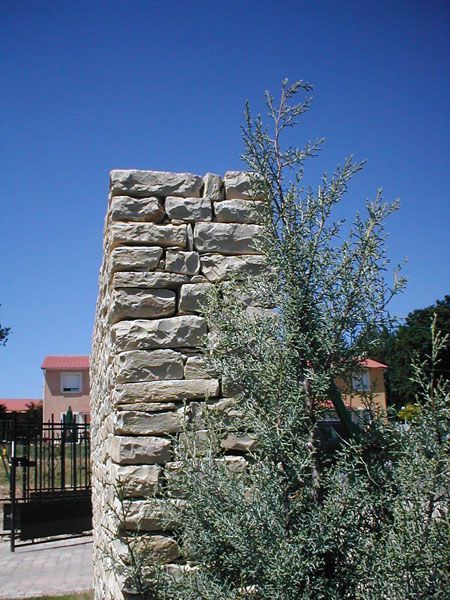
(66, 384)
(368, 383)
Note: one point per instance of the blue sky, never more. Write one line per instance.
(88, 86)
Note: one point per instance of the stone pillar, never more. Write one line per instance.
(168, 237)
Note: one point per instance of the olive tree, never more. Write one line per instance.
(295, 516)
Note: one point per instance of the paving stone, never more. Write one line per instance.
(52, 568)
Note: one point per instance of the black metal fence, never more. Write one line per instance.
(48, 468)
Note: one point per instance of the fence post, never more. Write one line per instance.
(63, 453)
(12, 483)
(74, 454)
(52, 454)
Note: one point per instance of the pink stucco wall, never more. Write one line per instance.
(56, 402)
(378, 392)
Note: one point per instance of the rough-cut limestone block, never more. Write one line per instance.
(142, 365)
(166, 390)
(193, 296)
(148, 234)
(231, 417)
(139, 450)
(178, 569)
(141, 304)
(196, 367)
(175, 332)
(238, 211)
(158, 183)
(138, 480)
(237, 186)
(198, 279)
(148, 515)
(227, 238)
(190, 237)
(213, 187)
(138, 258)
(125, 208)
(239, 443)
(154, 549)
(147, 407)
(159, 549)
(235, 464)
(230, 414)
(189, 209)
(195, 443)
(251, 296)
(216, 267)
(141, 423)
(172, 472)
(194, 415)
(223, 405)
(187, 263)
(149, 280)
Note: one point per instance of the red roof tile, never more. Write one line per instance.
(68, 363)
(18, 404)
(373, 364)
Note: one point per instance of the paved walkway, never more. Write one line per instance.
(49, 568)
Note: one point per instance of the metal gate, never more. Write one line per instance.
(48, 470)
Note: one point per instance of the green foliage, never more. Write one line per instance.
(412, 340)
(408, 412)
(378, 530)
(33, 414)
(4, 333)
(290, 518)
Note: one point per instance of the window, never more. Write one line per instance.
(361, 382)
(71, 383)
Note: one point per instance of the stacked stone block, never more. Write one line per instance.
(168, 238)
